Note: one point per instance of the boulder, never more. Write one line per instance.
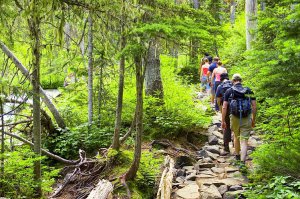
(189, 192)
(183, 161)
(222, 189)
(232, 194)
(218, 134)
(213, 156)
(218, 182)
(207, 160)
(212, 140)
(191, 177)
(210, 192)
(231, 169)
(212, 129)
(214, 149)
(235, 188)
(180, 179)
(207, 172)
(188, 168)
(217, 170)
(202, 153)
(199, 165)
(180, 172)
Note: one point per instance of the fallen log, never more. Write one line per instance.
(59, 120)
(165, 185)
(103, 190)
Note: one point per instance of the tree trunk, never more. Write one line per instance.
(116, 139)
(59, 120)
(35, 34)
(2, 145)
(103, 190)
(196, 4)
(250, 12)
(232, 11)
(262, 5)
(153, 81)
(90, 70)
(100, 91)
(131, 173)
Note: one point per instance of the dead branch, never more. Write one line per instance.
(165, 185)
(51, 155)
(102, 190)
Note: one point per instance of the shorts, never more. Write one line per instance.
(241, 127)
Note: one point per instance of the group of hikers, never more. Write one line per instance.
(236, 103)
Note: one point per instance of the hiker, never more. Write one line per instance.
(207, 56)
(203, 75)
(210, 80)
(222, 88)
(242, 106)
(217, 76)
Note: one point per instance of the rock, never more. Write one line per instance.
(218, 182)
(210, 192)
(207, 172)
(214, 149)
(232, 194)
(191, 177)
(188, 168)
(212, 129)
(249, 152)
(191, 172)
(180, 172)
(223, 165)
(218, 134)
(180, 179)
(235, 188)
(183, 161)
(205, 176)
(212, 140)
(202, 153)
(189, 192)
(231, 169)
(207, 160)
(217, 170)
(222, 189)
(213, 156)
(199, 165)
(221, 160)
(221, 142)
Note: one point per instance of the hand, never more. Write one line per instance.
(223, 125)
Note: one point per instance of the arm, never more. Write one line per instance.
(200, 71)
(253, 104)
(213, 76)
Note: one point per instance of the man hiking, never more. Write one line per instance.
(203, 76)
(212, 81)
(222, 88)
(243, 111)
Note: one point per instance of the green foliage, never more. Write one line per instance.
(278, 187)
(18, 179)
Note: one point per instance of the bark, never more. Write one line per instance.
(196, 4)
(250, 12)
(100, 96)
(131, 173)
(47, 153)
(232, 11)
(103, 190)
(90, 70)
(59, 120)
(153, 80)
(165, 185)
(35, 34)
(2, 145)
(116, 138)
(262, 5)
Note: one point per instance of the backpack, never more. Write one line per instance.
(240, 104)
(225, 86)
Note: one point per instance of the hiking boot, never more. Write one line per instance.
(238, 157)
(226, 148)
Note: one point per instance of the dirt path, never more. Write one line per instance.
(213, 175)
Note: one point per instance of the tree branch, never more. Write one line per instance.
(47, 153)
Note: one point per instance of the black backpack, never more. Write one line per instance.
(225, 86)
(240, 104)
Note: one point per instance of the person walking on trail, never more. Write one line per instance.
(217, 76)
(242, 106)
(210, 80)
(203, 75)
(222, 88)
(207, 56)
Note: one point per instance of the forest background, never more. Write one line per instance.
(98, 54)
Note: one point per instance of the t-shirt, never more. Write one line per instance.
(205, 69)
(212, 67)
(230, 90)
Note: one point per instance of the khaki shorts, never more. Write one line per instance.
(241, 128)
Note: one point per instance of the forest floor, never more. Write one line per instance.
(213, 175)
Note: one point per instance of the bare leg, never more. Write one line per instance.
(244, 145)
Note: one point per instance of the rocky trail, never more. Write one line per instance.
(213, 176)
